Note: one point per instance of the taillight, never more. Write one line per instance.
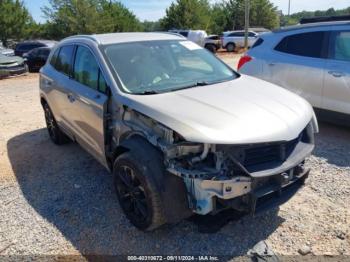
(244, 59)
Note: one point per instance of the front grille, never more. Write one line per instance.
(257, 157)
(263, 154)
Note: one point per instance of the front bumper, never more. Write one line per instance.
(245, 194)
(12, 71)
(243, 176)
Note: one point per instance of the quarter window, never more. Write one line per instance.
(63, 61)
(54, 57)
(340, 46)
(305, 44)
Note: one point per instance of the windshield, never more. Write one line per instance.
(162, 66)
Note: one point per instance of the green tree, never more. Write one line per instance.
(264, 13)
(295, 18)
(219, 18)
(229, 15)
(187, 14)
(70, 17)
(150, 26)
(14, 19)
(115, 17)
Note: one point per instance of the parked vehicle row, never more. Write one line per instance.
(312, 60)
(181, 132)
(27, 56)
(230, 40)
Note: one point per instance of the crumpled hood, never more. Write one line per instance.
(244, 110)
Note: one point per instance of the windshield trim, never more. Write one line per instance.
(123, 89)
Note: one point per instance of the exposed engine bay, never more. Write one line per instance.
(220, 176)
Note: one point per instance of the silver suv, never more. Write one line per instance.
(181, 132)
(235, 39)
(312, 60)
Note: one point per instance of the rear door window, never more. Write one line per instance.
(340, 46)
(44, 52)
(27, 47)
(64, 60)
(238, 34)
(304, 44)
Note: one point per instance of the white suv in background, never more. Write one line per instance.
(312, 60)
(233, 39)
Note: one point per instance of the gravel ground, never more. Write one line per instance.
(59, 200)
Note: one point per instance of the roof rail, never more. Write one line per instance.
(324, 19)
(170, 33)
(83, 36)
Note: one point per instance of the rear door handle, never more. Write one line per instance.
(336, 73)
(48, 83)
(272, 64)
(71, 98)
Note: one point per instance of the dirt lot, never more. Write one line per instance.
(59, 200)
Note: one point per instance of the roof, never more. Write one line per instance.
(317, 19)
(259, 29)
(311, 25)
(49, 43)
(115, 38)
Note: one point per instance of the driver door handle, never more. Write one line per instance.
(71, 98)
(336, 73)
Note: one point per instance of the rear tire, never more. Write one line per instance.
(211, 48)
(55, 133)
(231, 47)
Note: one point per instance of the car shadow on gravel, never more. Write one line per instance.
(74, 193)
(333, 144)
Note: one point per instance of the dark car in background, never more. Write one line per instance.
(26, 46)
(36, 58)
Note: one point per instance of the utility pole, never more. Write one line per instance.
(246, 23)
(289, 8)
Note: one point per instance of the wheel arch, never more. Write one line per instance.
(231, 42)
(171, 187)
(130, 141)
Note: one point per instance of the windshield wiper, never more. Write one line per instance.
(200, 83)
(146, 92)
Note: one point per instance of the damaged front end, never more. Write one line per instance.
(218, 177)
(239, 176)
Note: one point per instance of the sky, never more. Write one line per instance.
(152, 10)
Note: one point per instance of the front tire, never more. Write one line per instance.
(137, 191)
